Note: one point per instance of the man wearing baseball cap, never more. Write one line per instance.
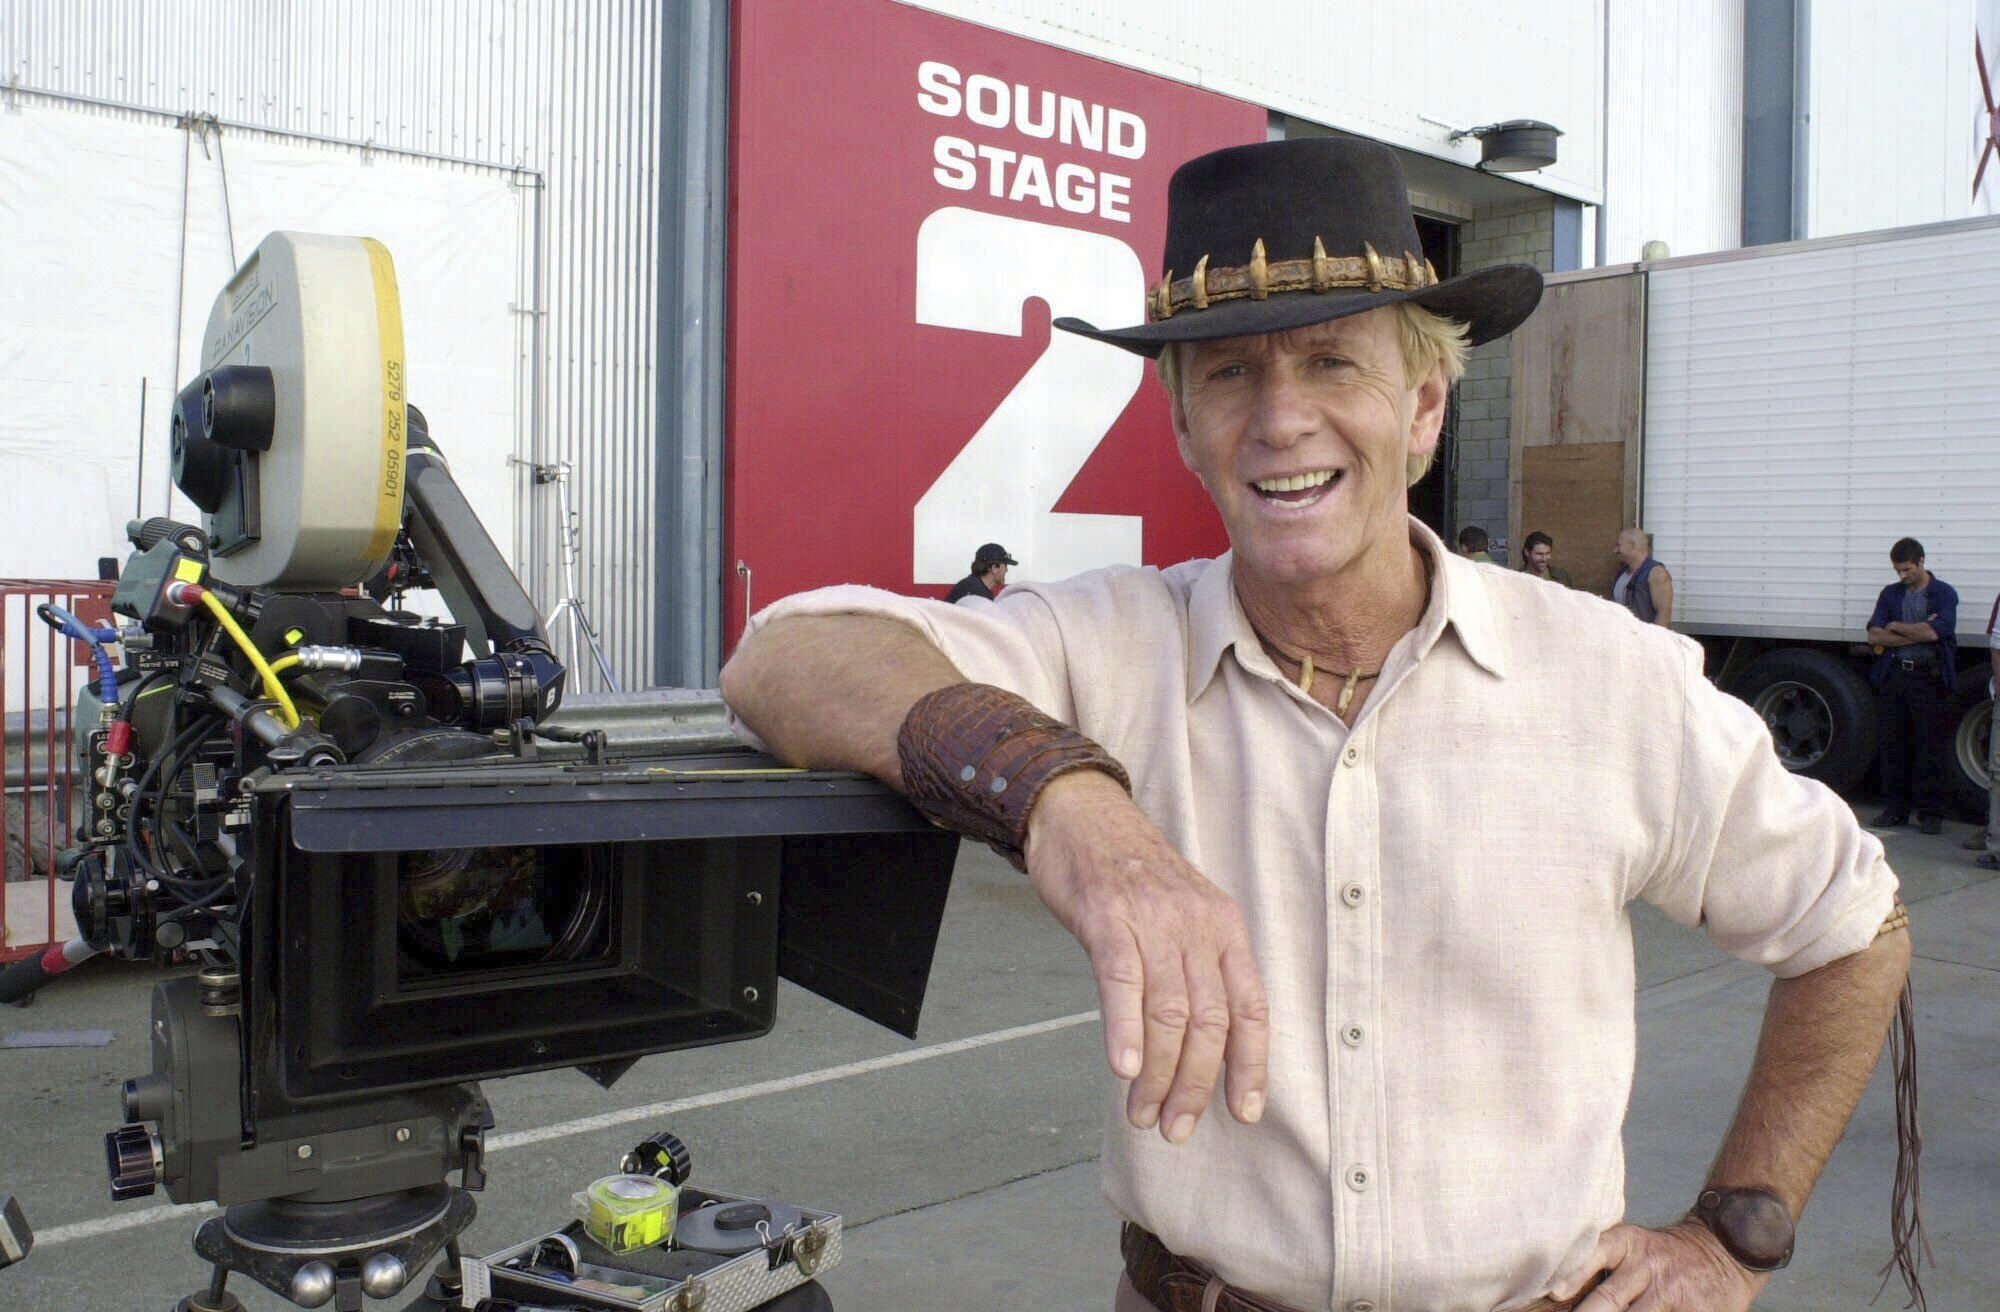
(1255, 790)
(988, 576)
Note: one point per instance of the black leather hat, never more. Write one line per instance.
(1288, 233)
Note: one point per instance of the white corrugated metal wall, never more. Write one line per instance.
(1402, 74)
(1982, 96)
(1889, 142)
(1674, 167)
(568, 91)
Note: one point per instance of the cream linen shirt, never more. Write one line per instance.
(1447, 954)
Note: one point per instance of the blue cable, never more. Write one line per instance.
(69, 625)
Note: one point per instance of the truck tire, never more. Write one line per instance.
(1820, 711)
(1967, 780)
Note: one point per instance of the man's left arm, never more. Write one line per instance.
(1661, 585)
(1821, 1038)
(1778, 872)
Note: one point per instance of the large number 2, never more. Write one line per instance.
(974, 271)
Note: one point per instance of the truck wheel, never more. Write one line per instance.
(1967, 778)
(1820, 712)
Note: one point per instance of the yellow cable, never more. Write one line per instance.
(285, 662)
(235, 631)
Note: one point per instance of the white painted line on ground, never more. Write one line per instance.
(653, 1111)
(105, 1225)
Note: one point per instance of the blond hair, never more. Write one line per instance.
(1426, 338)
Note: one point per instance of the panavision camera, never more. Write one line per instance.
(399, 870)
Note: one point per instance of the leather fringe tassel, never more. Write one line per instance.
(1910, 1246)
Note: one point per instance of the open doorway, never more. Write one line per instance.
(1432, 497)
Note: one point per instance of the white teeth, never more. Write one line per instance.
(1294, 482)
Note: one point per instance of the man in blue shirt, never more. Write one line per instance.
(1912, 631)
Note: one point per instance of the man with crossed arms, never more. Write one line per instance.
(1244, 785)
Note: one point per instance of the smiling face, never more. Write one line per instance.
(1540, 555)
(1303, 439)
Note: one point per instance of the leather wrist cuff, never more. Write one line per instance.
(976, 757)
(1754, 1225)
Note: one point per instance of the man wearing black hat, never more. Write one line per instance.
(988, 576)
(1254, 789)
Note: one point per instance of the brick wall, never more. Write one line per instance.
(1509, 236)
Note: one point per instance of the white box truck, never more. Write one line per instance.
(1777, 418)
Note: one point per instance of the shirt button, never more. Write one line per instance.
(1354, 895)
(1361, 1305)
(1351, 755)
(1358, 1179)
(1352, 1036)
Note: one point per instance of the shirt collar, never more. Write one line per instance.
(1459, 600)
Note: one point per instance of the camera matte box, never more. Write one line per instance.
(705, 878)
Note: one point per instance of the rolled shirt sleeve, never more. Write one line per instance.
(1012, 643)
(1944, 620)
(1772, 864)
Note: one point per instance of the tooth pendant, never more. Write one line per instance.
(1346, 698)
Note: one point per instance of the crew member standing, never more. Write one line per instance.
(1913, 630)
(988, 576)
(1538, 551)
(1643, 586)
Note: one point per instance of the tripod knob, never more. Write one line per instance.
(313, 1284)
(133, 1156)
(663, 1156)
(383, 1275)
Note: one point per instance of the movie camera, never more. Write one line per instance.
(401, 868)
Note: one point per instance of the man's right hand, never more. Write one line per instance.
(1181, 996)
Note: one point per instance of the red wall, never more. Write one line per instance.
(895, 395)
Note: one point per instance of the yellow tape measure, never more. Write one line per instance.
(628, 1212)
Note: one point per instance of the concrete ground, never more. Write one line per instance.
(964, 1163)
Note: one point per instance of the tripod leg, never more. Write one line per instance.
(446, 1284)
(566, 613)
(216, 1298)
(597, 650)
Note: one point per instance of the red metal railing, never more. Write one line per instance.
(41, 672)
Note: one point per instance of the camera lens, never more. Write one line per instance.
(486, 908)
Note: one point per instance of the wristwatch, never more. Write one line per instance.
(1753, 1224)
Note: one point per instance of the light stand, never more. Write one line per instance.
(569, 610)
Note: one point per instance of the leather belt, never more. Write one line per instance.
(1178, 1284)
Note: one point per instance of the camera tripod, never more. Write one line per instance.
(316, 1254)
(569, 610)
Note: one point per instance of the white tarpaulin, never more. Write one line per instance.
(95, 258)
